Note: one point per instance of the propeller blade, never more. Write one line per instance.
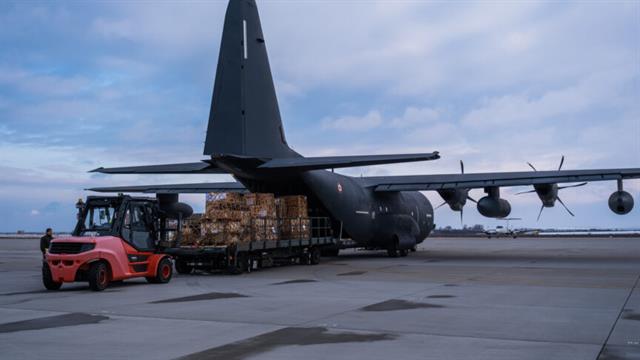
(540, 213)
(472, 199)
(525, 192)
(461, 167)
(574, 185)
(531, 166)
(561, 162)
(565, 207)
(462, 217)
(437, 207)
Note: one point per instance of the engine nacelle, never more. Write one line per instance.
(621, 202)
(493, 207)
(169, 204)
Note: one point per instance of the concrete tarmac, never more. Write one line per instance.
(475, 298)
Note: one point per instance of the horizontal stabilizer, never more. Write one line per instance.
(330, 162)
(175, 188)
(184, 168)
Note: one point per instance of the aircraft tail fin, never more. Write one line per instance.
(244, 118)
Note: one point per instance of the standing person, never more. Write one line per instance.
(45, 241)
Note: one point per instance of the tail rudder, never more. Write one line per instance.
(244, 117)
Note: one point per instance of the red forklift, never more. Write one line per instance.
(117, 238)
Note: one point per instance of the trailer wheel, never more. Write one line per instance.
(314, 256)
(98, 276)
(241, 265)
(47, 280)
(163, 273)
(182, 267)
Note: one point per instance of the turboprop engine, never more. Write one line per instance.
(492, 205)
(620, 202)
(456, 198)
(548, 193)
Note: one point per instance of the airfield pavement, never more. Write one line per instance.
(525, 298)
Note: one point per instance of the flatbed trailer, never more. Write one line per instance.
(256, 254)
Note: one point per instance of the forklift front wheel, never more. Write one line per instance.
(98, 276)
(47, 279)
(163, 273)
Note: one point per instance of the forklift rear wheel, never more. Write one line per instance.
(47, 280)
(98, 276)
(163, 273)
(182, 267)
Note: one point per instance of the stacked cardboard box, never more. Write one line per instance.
(295, 223)
(191, 232)
(295, 206)
(225, 220)
(264, 215)
(295, 228)
(232, 218)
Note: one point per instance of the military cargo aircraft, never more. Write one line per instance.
(246, 138)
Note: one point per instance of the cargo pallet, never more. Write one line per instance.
(255, 254)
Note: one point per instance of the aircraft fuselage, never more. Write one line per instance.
(371, 219)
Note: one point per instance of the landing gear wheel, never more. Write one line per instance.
(47, 279)
(163, 273)
(314, 256)
(403, 252)
(98, 276)
(392, 250)
(182, 267)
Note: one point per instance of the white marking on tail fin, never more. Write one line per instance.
(244, 37)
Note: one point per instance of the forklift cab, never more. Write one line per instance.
(138, 227)
(137, 221)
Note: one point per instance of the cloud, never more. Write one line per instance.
(371, 120)
(414, 116)
(596, 90)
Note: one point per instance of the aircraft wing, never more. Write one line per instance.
(331, 162)
(183, 168)
(482, 180)
(175, 188)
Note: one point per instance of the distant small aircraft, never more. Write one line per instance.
(507, 231)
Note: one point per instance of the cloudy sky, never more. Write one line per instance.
(495, 84)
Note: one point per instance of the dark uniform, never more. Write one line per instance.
(44, 243)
